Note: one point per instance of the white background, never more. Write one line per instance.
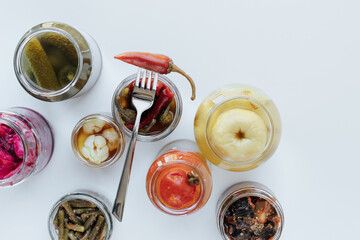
(305, 54)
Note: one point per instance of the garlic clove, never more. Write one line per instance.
(112, 138)
(93, 126)
(95, 149)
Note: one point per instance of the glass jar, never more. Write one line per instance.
(179, 181)
(33, 147)
(143, 136)
(96, 199)
(98, 125)
(54, 62)
(249, 190)
(237, 127)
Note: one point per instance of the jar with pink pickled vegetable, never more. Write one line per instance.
(26, 145)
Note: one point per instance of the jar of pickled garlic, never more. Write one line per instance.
(26, 145)
(97, 141)
(237, 127)
(179, 181)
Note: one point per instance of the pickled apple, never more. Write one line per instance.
(238, 134)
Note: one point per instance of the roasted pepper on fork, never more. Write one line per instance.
(164, 98)
(155, 62)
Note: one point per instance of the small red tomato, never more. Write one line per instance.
(174, 190)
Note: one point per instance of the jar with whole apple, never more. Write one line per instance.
(237, 127)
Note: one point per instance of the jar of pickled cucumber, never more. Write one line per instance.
(54, 61)
(237, 127)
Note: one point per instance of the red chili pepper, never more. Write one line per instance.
(164, 99)
(155, 62)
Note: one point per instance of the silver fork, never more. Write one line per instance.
(142, 98)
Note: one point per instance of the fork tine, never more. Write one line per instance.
(143, 80)
(148, 83)
(155, 81)
(138, 76)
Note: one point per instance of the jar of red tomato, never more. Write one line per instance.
(179, 181)
(158, 121)
(26, 144)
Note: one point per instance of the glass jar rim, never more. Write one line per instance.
(83, 196)
(109, 120)
(268, 118)
(165, 132)
(177, 212)
(43, 94)
(236, 194)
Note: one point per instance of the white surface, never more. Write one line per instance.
(303, 53)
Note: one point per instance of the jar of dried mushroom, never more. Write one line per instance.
(54, 61)
(249, 210)
(80, 215)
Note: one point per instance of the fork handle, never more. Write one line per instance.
(118, 208)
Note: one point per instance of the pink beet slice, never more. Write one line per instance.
(2, 131)
(6, 163)
(11, 151)
(6, 137)
(18, 147)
